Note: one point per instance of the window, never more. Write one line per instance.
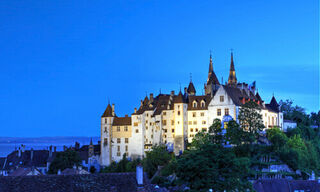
(191, 130)
(197, 130)
(202, 104)
(118, 148)
(105, 120)
(172, 122)
(164, 122)
(126, 140)
(172, 130)
(125, 128)
(218, 112)
(118, 154)
(226, 111)
(178, 112)
(135, 124)
(221, 98)
(204, 129)
(202, 114)
(225, 125)
(178, 122)
(118, 140)
(146, 127)
(118, 129)
(194, 122)
(164, 113)
(203, 122)
(151, 136)
(147, 115)
(165, 130)
(194, 104)
(127, 154)
(190, 122)
(150, 123)
(126, 147)
(137, 130)
(105, 141)
(194, 114)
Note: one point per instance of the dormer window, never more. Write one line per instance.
(221, 98)
(202, 103)
(194, 104)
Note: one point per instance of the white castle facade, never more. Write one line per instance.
(174, 119)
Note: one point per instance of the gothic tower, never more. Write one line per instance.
(232, 80)
(212, 81)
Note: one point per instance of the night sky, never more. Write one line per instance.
(62, 60)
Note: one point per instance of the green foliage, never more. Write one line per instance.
(235, 134)
(277, 138)
(124, 165)
(295, 113)
(158, 156)
(63, 160)
(92, 169)
(213, 167)
(251, 121)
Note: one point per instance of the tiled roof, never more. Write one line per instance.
(107, 112)
(273, 106)
(198, 99)
(23, 171)
(191, 88)
(284, 185)
(179, 98)
(121, 121)
(111, 182)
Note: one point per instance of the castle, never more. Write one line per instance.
(174, 119)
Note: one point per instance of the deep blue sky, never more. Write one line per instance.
(62, 60)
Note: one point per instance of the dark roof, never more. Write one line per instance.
(179, 98)
(284, 185)
(107, 112)
(191, 88)
(288, 121)
(84, 152)
(112, 182)
(73, 171)
(273, 106)
(2, 161)
(258, 97)
(121, 121)
(39, 159)
(23, 171)
(198, 99)
(212, 78)
(237, 94)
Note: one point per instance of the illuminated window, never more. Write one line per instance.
(164, 113)
(190, 122)
(194, 122)
(202, 114)
(135, 124)
(218, 112)
(194, 114)
(118, 140)
(226, 111)
(164, 122)
(191, 130)
(197, 130)
(225, 125)
(172, 122)
(203, 122)
(221, 98)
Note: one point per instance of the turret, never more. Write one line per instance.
(232, 80)
(212, 81)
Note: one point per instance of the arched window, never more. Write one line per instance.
(194, 104)
(202, 103)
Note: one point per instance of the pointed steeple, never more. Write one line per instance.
(108, 111)
(232, 80)
(212, 81)
(91, 141)
(210, 64)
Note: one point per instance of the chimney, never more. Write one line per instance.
(139, 175)
(50, 151)
(172, 93)
(31, 154)
(55, 149)
(77, 145)
(113, 109)
(126, 115)
(135, 110)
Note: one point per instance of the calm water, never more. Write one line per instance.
(7, 148)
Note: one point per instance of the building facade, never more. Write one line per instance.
(174, 119)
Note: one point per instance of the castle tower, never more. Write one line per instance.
(106, 135)
(232, 80)
(91, 149)
(191, 89)
(212, 81)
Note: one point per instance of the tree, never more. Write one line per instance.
(234, 133)
(158, 156)
(92, 169)
(295, 113)
(63, 160)
(277, 138)
(251, 120)
(213, 167)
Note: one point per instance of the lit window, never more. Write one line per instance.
(226, 111)
(194, 122)
(164, 122)
(194, 114)
(225, 125)
(203, 122)
(218, 112)
(164, 113)
(118, 140)
(197, 130)
(202, 114)
(172, 122)
(221, 98)
(190, 122)
(135, 124)
(191, 130)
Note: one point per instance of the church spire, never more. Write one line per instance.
(232, 74)
(212, 81)
(210, 65)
